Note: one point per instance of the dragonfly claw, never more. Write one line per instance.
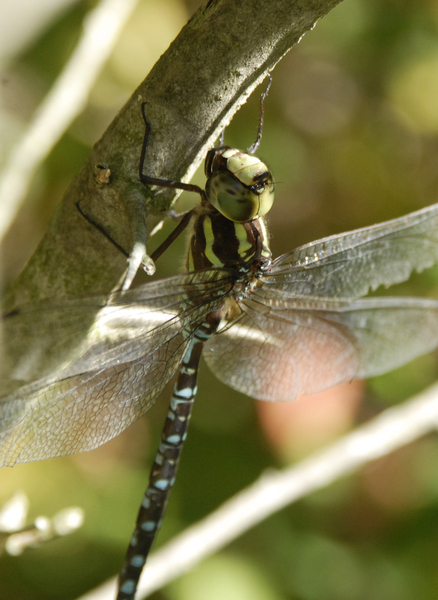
(137, 258)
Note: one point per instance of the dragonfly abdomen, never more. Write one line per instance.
(164, 469)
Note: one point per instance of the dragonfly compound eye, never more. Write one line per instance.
(242, 191)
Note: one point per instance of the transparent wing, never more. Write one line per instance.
(350, 264)
(103, 363)
(281, 348)
(58, 339)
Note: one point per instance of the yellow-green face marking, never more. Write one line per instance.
(243, 190)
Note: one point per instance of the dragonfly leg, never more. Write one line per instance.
(138, 255)
(100, 229)
(185, 220)
(166, 183)
(254, 147)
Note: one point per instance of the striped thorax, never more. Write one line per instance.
(229, 229)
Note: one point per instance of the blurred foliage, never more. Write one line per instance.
(351, 133)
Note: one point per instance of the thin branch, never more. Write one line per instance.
(392, 429)
(63, 103)
(193, 91)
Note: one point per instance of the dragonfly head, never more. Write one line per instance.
(238, 184)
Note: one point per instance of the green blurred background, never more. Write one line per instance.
(351, 134)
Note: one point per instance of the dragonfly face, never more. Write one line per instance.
(239, 185)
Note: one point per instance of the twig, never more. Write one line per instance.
(392, 429)
(62, 104)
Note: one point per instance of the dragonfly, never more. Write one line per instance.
(78, 371)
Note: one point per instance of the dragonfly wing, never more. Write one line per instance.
(82, 412)
(273, 356)
(303, 346)
(55, 340)
(350, 264)
(114, 373)
(389, 332)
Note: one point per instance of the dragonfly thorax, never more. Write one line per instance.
(239, 185)
(216, 241)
